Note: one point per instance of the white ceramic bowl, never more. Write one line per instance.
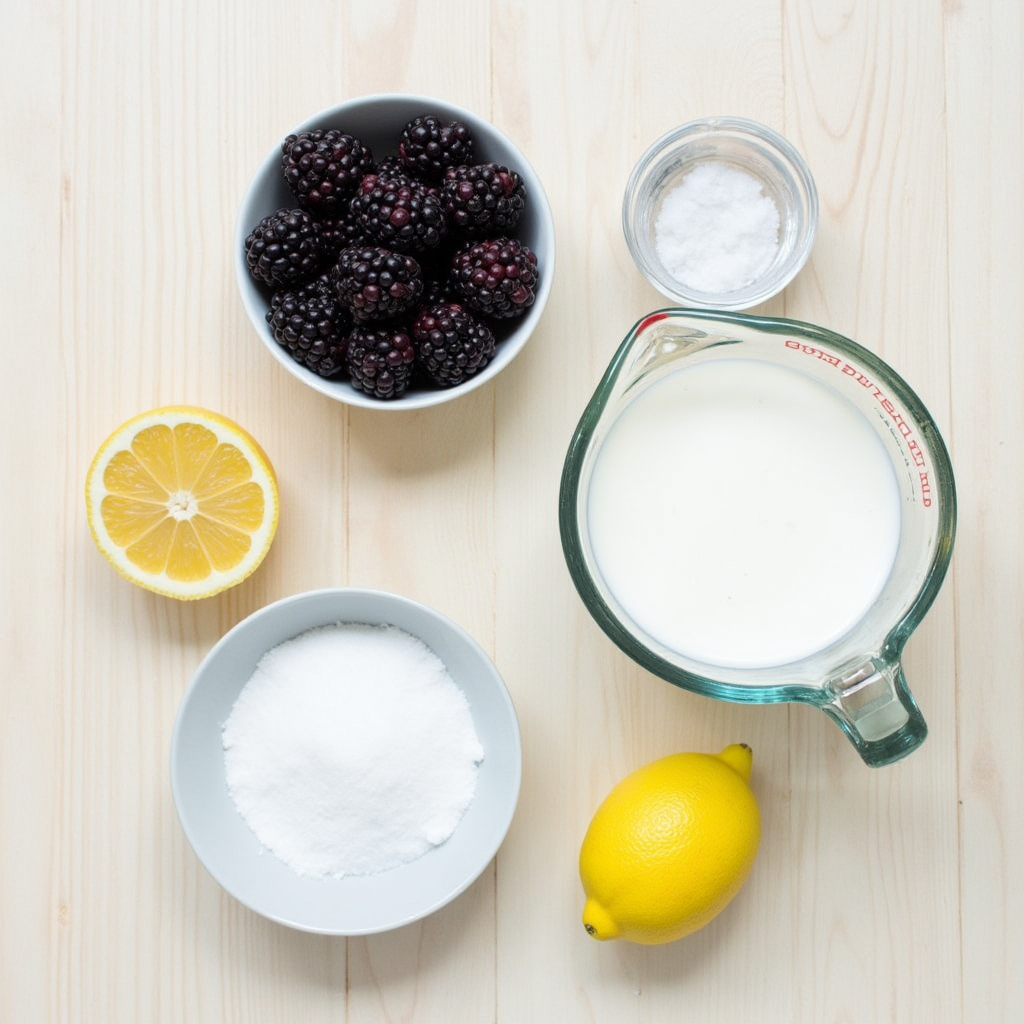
(378, 121)
(353, 905)
(747, 146)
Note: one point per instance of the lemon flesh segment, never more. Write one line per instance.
(224, 545)
(241, 507)
(193, 446)
(154, 448)
(182, 501)
(670, 847)
(127, 477)
(150, 552)
(228, 468)
(187, 562)
(128, 520)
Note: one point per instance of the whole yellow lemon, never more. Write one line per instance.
(670, 846)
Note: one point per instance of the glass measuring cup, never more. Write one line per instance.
(856, 678)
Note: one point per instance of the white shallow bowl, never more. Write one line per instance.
(378, 121)
(353, 905)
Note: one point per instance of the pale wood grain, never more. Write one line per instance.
(130, 133)
(32, 674)
(985, 112)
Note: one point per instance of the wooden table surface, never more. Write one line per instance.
(130, 131)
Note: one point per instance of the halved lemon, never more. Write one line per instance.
(182, 501)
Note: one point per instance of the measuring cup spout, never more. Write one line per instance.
(871, 703)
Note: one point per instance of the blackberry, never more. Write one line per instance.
(451, 344)
(497, 277)
(391, 167)
(284, 248)
(401, 213)
(337, 232)
(380, 360)
(428, 145)
(324, 166)
(312, 325)
(390, 171)
(483, 199)
(377, 284)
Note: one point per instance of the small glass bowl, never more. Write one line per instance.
(749, 147)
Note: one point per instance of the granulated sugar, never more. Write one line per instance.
(716, 230)
(351, 751)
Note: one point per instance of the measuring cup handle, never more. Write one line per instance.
(872, 705)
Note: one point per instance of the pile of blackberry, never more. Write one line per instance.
(399, 272)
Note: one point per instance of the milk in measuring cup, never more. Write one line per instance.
(742, 513)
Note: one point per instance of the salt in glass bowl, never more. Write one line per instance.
(378, 120)
(354, 904)
(749, 147)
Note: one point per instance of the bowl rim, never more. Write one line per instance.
(360, 595)
(338, 388)
(761, 289)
